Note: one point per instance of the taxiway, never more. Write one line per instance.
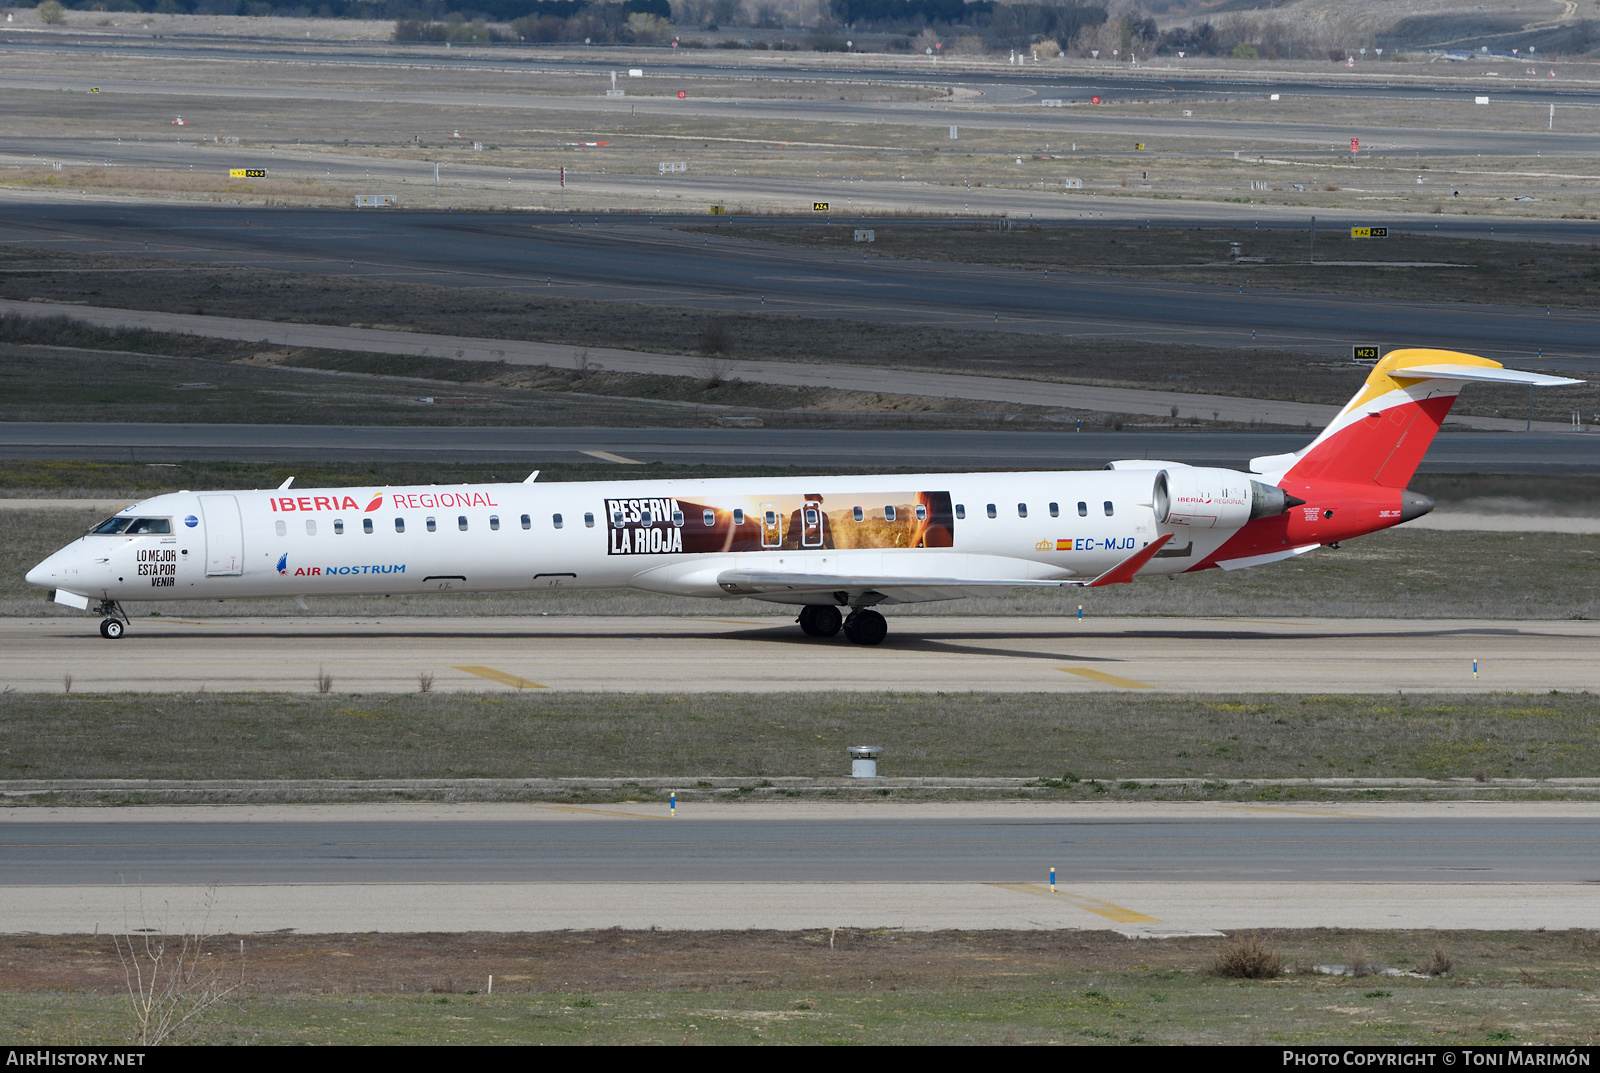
(770, 654)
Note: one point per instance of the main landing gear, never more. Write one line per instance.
(820, 620)
(864, 626)
(116, 621)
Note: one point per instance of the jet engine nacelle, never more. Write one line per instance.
(1214, 498)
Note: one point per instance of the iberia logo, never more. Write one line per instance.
(377, 501)
(283, 563)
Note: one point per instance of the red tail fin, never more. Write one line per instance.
(1381, 434)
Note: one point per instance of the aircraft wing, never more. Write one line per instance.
(843, 588)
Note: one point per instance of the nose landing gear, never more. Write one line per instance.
(115, 622)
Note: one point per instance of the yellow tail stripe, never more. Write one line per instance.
(502, 677)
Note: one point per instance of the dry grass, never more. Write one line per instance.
(1085, 745)
(1247, 957)
(208, 186)
(841, 985)
(1265, 374)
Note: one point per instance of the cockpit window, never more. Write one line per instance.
(133, 526)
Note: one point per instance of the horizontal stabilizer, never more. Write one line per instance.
(1481, 374)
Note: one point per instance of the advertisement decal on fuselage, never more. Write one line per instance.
(780, 522)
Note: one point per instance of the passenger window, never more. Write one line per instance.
(399, 525)
(1108, 508)
(645, 518)
(311, 527)
(738, 516)
(961, 511)
(857, 513)
(616, 518)
(433, 526)
(146, 526)
(112, 526)
(588, 519)
(992, 512)
(338, 527)
(366, 525)
(283, 530)
(677, 518)
(1083, 509)
(494, 523)
(811, 517)
(1022, 510)
(709, 517)
(1055, 510)
(555, 520)
(922, 513)
(527, 522)
(461, 522)
(888, 514)
(771, 517)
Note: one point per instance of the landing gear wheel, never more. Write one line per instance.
(111, 628)
(827, 620)
(820, 620)
(866, 627)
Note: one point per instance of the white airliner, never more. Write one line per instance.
(838, 547)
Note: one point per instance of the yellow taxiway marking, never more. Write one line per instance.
(502, 677)
(607, 456)
(1108, 679)
(1118, 913)
(1301, 811)
(603, 812)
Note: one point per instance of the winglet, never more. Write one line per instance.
(285, 484)
(530, 478)
(1123, 572)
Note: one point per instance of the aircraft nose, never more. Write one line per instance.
(48, 573)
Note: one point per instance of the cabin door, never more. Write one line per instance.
(224, 536)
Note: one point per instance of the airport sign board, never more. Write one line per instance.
(247, 173)
(819, 206)
(1369, 232)
(1364, 353)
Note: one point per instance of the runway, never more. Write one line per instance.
(932, 450)
(1146, 871)
(621, 259)
(765, 655)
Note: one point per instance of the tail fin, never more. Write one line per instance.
(1381, 435)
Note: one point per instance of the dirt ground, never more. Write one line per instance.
(617, 960)
(838, 986)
